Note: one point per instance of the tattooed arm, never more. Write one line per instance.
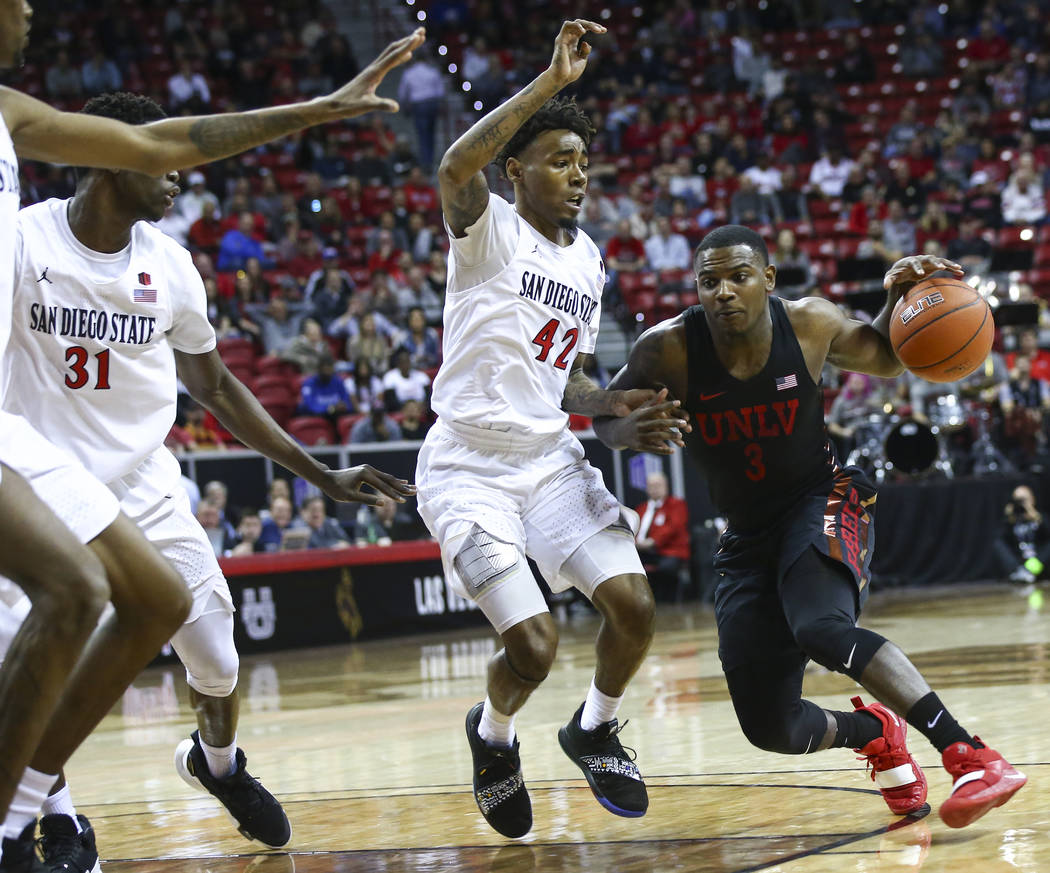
(43, 133)
(464, 192)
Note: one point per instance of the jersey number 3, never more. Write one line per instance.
(78, 377)
(545, 340)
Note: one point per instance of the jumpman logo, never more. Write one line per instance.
(43, 277)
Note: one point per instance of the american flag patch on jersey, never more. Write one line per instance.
(785, 382)
(145, 295)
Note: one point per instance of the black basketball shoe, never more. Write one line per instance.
(19, 854)
(64, 849)
(499, 788)
(255, 811)
(610, 770)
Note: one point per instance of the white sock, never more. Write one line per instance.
(222, 760)
(27, 802)
(598, 708)
(61, 803)
(495, 727)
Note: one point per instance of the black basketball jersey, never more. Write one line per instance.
(761, 443)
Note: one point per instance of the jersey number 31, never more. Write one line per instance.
(78, 376)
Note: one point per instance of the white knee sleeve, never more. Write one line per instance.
(205, 647)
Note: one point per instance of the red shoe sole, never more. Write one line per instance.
(966, 810)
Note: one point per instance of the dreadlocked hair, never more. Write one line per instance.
(558, 113)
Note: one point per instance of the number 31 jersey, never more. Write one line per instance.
(90, 361)
(518, 310)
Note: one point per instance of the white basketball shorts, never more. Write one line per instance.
(152, 496)
(546, 501)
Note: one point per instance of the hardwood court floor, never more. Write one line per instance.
(364, 745)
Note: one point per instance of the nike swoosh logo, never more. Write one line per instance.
(849, 662)
(705, 397)
(930, 724)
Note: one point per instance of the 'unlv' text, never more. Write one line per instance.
(748, 422)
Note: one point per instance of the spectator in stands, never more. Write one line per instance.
(856, 64)
(315, 82)
(1025, 404)
(419, 193)
(904, 188)
(437, 273)
(421, 93)
(921, 56)
(403, 382)
(384, 524)
(208, 516)
(869, 207)
(969, 248)
(1023, 199)
(384, 300)
(248, 532)
(279, 324)
(748, 206)
(325, 532)
(307, 349)
(238, 244)
(273, 528)
(989, 48)
(364, 386)
(767, 179)
(189, 89)
(906, 128)
(873, 247)
(268, 202)
(1023, 545)
(218, 494)
(62, 78)
(201, 435)
(789, 202)
(625, 252)
(794, 270)
(413, 425)
(421, 341)
(369, 344)
(666, 250)
(376, 427)
(934, 223)
(206, 232)
(337, 59)
(99, 74)
(308, 257)
(897, 231)
(663, 536)
(852, 405)
(983, 200)
(385, 255)
(830, 173)
(328, 292)
(1028, 347)
(324, 394)
(419, 237)
(190, 204)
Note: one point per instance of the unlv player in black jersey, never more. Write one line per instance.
(794, 561)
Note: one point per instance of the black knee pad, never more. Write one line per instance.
(836, 643)
(793, 731)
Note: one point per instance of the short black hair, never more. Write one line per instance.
(558, 113)
(732, 235)
(122, 106)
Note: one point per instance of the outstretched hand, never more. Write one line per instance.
(653, 424)
(346, 486)
(918, 267)
(358, 96)
(570, 50)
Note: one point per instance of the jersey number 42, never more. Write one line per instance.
(545, 339)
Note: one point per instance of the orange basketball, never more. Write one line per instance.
(942, 329)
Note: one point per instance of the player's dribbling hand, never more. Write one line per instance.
(347, 485)
(570, 51)
(358, 96)
(655, 425)
(918, 267)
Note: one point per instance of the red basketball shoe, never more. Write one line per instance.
(983, 780)
(893, 769)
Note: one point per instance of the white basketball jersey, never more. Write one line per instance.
(510, 339)
(9, 199)
(90, 358)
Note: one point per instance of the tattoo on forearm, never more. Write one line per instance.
(580, 395)
(220, 135)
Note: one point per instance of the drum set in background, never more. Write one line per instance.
(953, 438)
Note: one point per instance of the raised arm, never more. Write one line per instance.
(212, 385)
(656, 424)
(866, 348)
(42, 133)
(464, 191)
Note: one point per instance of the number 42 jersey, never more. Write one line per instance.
(90, 361)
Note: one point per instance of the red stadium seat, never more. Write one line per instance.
(345, 423)
(1042, 255)
(272, 364)
(235, 343)
(275, 384)
(238, 357)
(311, 430)
(280, 410)
(1011, 238)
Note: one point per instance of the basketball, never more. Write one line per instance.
(942, 329)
